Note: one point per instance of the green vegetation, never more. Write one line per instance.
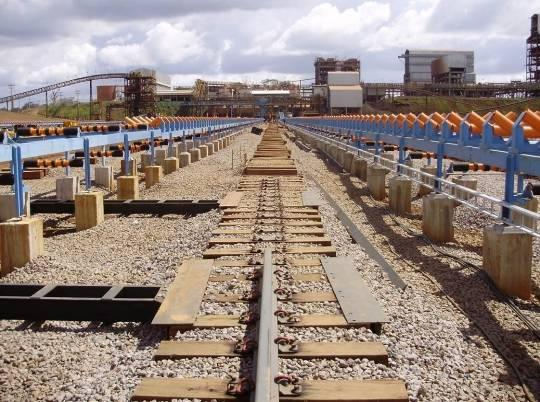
(68, 111)
(429, 104)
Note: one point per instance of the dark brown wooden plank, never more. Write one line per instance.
(306, 350)
(229, 251)
(351, 391)
(312, 320)
(308, 277)
(177, 388)
(314, 390)
(304, 297)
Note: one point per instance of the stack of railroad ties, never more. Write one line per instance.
(272, 237)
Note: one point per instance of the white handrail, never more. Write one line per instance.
(521, 218)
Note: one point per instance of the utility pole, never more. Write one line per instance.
(11, 86)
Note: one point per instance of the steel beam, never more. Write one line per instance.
(101, 303)
(127, 207)
(266, 354)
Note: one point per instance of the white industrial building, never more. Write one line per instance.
(448, 66)
(344, 93)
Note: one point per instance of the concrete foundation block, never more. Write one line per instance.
(195, 154)
(160, 156)
(104, 177)
(507, 259)
(428, 186)
(171, 165)
(127, 188)
(182, 147)
(530, 204)
(331, 150)
(204, 151)
(152, 175)
(216, 145)
(172, 152)
(146, 160)
(465, 182)
(388, 156)
(67, 187)
(359, 168)
(376, 176)
(399, 194)
(340, 157)
(132, 168)
(221, 143)
(210, 146)
(347, 161)
(21, 240)
(184, 159)
(437, 217)
(89, 210)
(8, 208)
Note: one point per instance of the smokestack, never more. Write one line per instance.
(534, 25)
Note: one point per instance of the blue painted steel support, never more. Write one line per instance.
(440, 170)
(520, 183)
(18, 186)
(87, 172)
(67, 157)
(152, 148)
(401, 153)
(509, 184)
(170, 145)
(126, 155)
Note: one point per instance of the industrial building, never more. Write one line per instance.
(324, 66)
(533, 52)
(342, 94)
(439, 66)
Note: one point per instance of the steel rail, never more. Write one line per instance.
(266, 354)
(483, 203)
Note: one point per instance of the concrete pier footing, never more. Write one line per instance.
(507, 259)
(89, 211)
(127, 188)
(437, 217)
(376, 176)
(399, 194)
(21, 240)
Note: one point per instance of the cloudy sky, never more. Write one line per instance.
(45, 41)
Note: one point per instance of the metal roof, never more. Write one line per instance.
(344, 87)
(270, 92)
(160, 92)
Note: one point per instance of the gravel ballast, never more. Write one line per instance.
(435, 348)
(82, 361)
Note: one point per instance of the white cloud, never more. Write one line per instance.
(63, 60)
(325, 29)
(165, 43)
(120, 40)
(247, 40)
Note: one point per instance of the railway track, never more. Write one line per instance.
(271, 240)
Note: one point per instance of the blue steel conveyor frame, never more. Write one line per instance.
(17, 149)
